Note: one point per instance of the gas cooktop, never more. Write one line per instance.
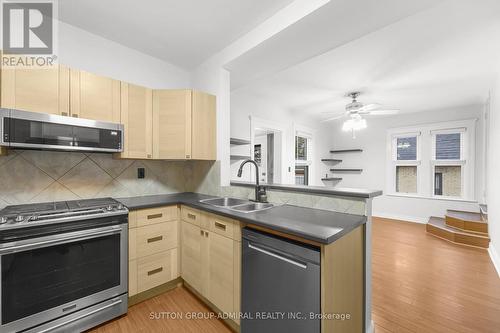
(61, 211)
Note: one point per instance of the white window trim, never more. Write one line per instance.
(426, 158)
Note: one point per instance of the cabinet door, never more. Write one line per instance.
(36, 90)
(204, 127)
(137, 118)
(94, 97)
(191, 237)
(221, 270)
(172, 124)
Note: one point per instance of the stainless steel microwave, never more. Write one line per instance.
(34, 130)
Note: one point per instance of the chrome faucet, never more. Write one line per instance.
(260, 191)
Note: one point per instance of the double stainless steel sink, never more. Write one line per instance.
(238, 205)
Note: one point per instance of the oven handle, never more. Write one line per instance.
(61, 239)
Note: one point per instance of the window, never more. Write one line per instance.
(432, 160)
(405, 159)
(300, 148)
(301, 175)
(448, 161)
(303, 157)
(407, 148)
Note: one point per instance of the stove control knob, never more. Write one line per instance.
(109, 208)
(3, 220)
(19, 218)
(119, 207)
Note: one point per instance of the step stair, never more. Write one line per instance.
(437, 226)
(466, 221)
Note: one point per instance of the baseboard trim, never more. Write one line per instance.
(406, 218)
(495, 258)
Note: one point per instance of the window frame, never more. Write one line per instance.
(426, 161)
(396, 162)
(434, 162)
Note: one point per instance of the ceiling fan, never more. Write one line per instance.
(355, 110)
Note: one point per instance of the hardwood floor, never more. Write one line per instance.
(178, 300)
(420, 284)
(425, 284)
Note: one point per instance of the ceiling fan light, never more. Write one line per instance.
(354, 124)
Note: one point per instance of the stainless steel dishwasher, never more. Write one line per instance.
(280, 284)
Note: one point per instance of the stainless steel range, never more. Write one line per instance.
(63, 265)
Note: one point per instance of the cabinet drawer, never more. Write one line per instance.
(156, 269)
(156, 238)
(156, 215)
(193, 216)
(221, 225)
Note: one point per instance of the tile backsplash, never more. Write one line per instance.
(36, 176)
(28, 176)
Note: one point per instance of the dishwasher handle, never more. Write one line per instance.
(277, 256)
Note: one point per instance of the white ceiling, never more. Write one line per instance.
(184, 33)
(442, 57)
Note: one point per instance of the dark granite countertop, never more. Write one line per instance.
(317, 225)
(337, 191)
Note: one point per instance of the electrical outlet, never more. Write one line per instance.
(141, 173)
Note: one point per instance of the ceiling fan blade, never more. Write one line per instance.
(334, 117)
(383, 112)
(369, 107)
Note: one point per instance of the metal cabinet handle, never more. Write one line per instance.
(155, 239)
(74, 115)
(154, 271)
(64, 114)
(206, 233)
(201, 233)
(192, 216)
(277, 256)
(154, 216)
(220, 225)
(149, 156)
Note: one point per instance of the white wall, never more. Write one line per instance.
(493, 177)
(244, 105)
(83, 50)
(373, 161)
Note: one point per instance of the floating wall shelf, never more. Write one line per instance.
(346, 170)
(331, 179)
(239, 142)
(346, 151)
(331, 160)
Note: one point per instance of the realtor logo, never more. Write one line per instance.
(27, 27)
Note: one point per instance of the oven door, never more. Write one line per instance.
(52, 276)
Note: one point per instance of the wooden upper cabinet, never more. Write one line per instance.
(172, 124)
(184, 125)
(94, 97)
(136, 117)
(204, 127)
(36, 89)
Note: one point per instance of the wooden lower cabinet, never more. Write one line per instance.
(220, 272)
(153, 248)
(191, 239)
(156, 269)
(208, 257)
